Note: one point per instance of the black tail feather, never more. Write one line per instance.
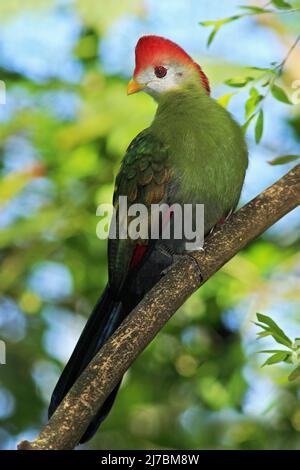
(100, 416)
(105, 318)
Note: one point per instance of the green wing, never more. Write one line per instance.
(144, 176)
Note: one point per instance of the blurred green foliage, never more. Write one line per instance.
(192, 387)
(266, 78)
(290, 355)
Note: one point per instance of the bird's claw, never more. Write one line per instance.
(175, 259)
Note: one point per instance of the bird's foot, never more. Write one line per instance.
(175, 259)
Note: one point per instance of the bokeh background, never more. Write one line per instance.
(63, 131)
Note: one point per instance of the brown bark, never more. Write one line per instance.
(72, 417)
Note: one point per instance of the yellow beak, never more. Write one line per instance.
(133, 87)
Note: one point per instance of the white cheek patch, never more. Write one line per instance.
(146, 76)
(166, 83)
(173, 79)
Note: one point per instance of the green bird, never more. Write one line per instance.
(192, 153)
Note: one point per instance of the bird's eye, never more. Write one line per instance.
(160, 71)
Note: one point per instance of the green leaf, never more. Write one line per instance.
(265, 320)
(295, 374)
(212, 36)
(208, 23)
(248, 122)
(252, 102)
(253, 9)
(224, 100)
(259, 126)
(238, 82)
(261, 69)
(254, 93)
(284, 159)
(272, 351)
(279, 94)
(261, 325)
(286, 355)
(229, 19)
(276, 332)
(281, 4)
(275, 358)
(263, 334)
(217, 25)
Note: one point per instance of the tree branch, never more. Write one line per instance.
(72, 417)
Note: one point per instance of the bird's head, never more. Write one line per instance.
(162, 66)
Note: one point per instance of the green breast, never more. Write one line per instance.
(207, 152)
